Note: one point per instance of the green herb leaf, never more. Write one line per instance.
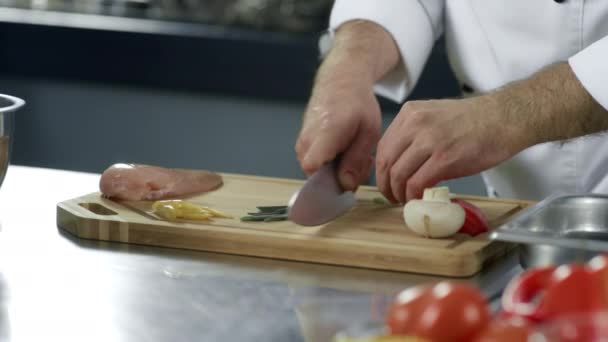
(271, 209)
(276, 218)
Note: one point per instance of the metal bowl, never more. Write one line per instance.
(545, 255)
(8, 106)
(560, 229)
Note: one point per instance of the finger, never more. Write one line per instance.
(365, 177)
(355, 162)
(427, 176)
(397, 138)
(386, 160)
(383, 180)
(322, 150)
(383, 166)
(406, 166)
(301, 147)
(391, 143)
(330, 140)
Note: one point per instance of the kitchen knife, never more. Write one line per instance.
(321, 199)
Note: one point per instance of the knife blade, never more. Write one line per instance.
(321, 199)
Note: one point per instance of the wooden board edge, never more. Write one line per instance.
(232, 243)
(73, 208)
(68, 215)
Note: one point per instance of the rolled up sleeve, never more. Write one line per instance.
(414, 26)
(591, 68)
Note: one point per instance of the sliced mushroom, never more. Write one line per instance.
(434, 216)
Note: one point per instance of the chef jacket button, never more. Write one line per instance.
(467, 88)
(559, 1)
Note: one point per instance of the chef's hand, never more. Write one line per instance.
(432, 141)
(343, 118)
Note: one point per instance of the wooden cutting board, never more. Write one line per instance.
(371, 235)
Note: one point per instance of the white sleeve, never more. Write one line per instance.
(414, 26)
(591, 68)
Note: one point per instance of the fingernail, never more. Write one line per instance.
(348, 181)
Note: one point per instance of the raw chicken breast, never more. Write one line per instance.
(136, 182)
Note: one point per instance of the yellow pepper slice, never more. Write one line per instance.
(216, 213)
(174, 209)
(166, 211)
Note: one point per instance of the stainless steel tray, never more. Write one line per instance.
(570, 221)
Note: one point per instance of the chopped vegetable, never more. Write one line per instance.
(380, 200)
(575, 328)
(435, 216)
(276, 218)
(543, 294)
(555, 303)
(271, 209)
(267, 214)
(506, 330)
(178, 209)
(446, 311)
(475, 222)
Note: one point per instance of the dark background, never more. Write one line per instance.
(102, 89)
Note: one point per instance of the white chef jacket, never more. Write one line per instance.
(491, 43)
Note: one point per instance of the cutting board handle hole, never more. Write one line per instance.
(98, 209)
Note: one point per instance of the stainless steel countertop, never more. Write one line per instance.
(55, 287)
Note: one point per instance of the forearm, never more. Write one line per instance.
(362, 51)
(552, 105)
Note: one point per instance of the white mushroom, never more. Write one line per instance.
(435, 216)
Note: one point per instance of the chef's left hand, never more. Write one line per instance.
(436, 140)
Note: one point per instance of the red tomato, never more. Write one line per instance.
(510, 330)
(447, 311)
(475, 221)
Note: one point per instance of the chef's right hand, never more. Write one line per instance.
(342, 118)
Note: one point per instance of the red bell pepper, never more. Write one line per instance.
(575, 328)
(475, 221)
(506, 330)
(544, 294)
